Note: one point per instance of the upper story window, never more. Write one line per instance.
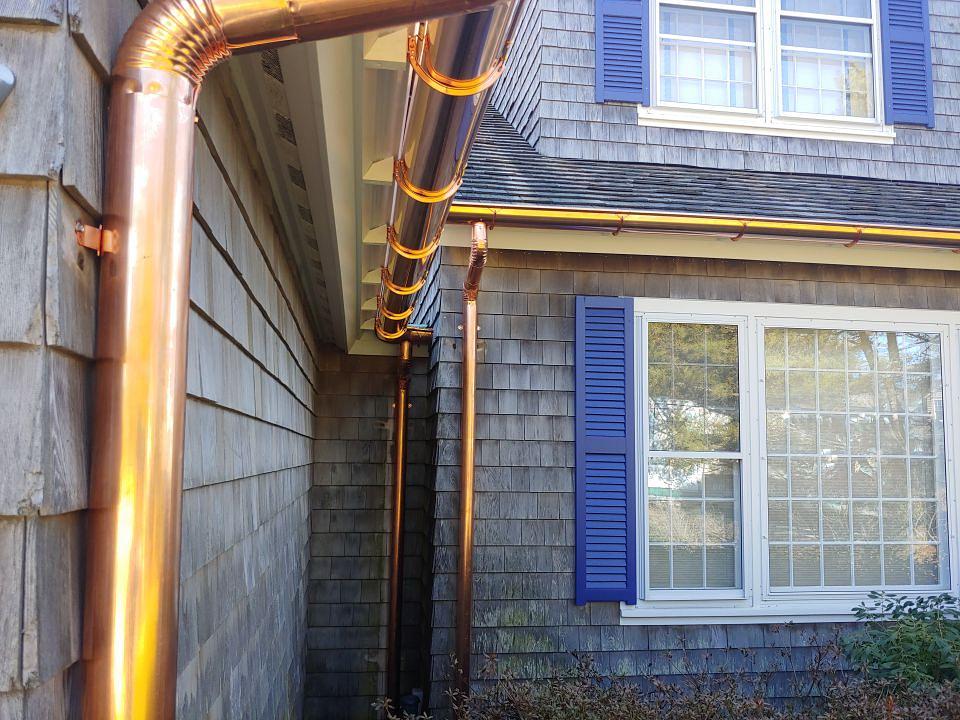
(843, 69)
(767, 62)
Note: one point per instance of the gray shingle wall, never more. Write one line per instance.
(518, 94)
(524, 554)
(250, 410)
(351, 510)
(571, 124)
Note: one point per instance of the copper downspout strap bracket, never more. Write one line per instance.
(389, 315)
(96, 238)
(401, 289)
(422, 254)
(401, 175)
(418, 46)
(856, 240)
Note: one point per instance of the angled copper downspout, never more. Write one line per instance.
(133, 571)
(455, 62)
(468, 418)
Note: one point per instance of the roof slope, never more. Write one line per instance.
(505, 170)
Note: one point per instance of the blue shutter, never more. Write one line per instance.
(606, 507)
(907, 72)
(623, 51)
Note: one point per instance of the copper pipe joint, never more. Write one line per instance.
(478, 260)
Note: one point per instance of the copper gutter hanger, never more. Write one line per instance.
(133, 568)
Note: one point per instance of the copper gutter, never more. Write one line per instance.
(850, 234)
(468, 417)
(133, 570)
(454, 62)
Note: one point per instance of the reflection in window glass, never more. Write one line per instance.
(826, 66)
(855, 471)
(693, 509)
(693, 387)
(708, 57)
(694, 523)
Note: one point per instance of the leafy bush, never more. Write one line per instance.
(912, 641)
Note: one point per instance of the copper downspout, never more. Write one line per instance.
(400, 406)
(133, 572)
(468, 418)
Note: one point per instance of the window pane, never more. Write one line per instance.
(855, 470)
(693, 387)
(836, 82)
(708, 57)
(693, 517)
(841, 8)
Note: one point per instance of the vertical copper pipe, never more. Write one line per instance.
(396, 535)
(133, 570)
(468, 418)
(137, 460)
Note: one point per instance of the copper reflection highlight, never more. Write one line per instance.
(468, 419)
(137, 460)
(133, 566)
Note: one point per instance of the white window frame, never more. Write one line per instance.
(757, 603)
(768, 118)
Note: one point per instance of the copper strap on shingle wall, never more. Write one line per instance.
(133, 548)
(455, 61)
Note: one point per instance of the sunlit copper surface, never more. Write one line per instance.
(464, 52)
(130, 630)
(468, 417)
(850, 234)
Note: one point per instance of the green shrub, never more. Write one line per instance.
(912, 641)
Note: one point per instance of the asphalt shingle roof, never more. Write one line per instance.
(505, 170)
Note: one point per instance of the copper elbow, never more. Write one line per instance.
(478, 260)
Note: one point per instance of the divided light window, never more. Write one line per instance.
(791, 459)
(805, 60)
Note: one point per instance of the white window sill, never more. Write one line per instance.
(718, 120)
(701, 613)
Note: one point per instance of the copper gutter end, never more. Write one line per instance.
(468, 418)
(850, 234)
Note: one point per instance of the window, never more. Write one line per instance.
(804, 67)
(855, 458)
(693, 456)
(791, 458)
(707, 56)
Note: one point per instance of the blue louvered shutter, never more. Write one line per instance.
(623, 50)
(605, 451)
(908, 72)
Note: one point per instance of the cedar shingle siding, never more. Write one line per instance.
(554, 69)
(252, 388)
(524, 563)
